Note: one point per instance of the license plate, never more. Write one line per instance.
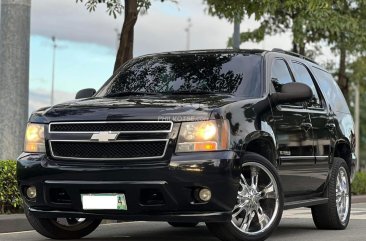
(104, 201)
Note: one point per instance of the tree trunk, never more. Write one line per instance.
(294, 47)
(342, 78)
(302, 49)
(125, 50)
(298, 48)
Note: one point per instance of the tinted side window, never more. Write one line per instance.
(331, 91)
(302, 75)
(280, 74)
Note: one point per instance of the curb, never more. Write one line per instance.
(359, 199)
(14, 223)
(19, 223)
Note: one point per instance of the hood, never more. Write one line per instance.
(160, 107)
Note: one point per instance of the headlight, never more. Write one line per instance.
(34, 138)
(210, 135)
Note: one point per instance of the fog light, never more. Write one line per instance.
(31, 192)
(205, 195)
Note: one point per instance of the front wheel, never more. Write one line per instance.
(63, 228)
(259, 203)
(336, 213)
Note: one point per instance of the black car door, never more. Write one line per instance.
(294, 136)
(322, 122)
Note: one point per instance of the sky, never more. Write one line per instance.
(87, 42)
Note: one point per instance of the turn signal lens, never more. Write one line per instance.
(210, 135)
(34, 139)
(205, 146)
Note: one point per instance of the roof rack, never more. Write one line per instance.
(293, 54)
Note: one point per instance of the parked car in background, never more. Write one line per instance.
(229, 138)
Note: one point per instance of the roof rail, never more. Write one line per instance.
(293, 54)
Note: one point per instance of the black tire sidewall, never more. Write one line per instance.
(338, 163)
(47, 228)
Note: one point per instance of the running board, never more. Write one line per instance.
(305, 203)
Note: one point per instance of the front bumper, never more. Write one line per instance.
(154, 193)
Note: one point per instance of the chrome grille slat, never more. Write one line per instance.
(116, 126)
(76, 143)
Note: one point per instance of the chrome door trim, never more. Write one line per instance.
(302, 157)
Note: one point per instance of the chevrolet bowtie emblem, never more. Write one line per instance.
(104, 136)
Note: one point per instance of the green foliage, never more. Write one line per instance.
(357, 74)
(10, 199)
(338, 22)
(115, 7)
(359, 183)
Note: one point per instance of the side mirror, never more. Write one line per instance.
(85, 93)
(292, 93)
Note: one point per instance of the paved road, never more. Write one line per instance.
(296, 225)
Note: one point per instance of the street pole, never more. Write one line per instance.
(357, 122)
(188, 31)
(236, 35)
(14, 75)
(53, 70)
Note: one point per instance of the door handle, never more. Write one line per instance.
(306, 126)
(330, 126)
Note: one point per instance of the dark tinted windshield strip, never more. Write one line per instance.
(231, 73)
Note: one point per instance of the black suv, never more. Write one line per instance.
(229, 138)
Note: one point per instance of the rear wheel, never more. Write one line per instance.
(259, 203)
(336, 213)
(183, 225)
(63, 228)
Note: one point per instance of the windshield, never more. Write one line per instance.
(237, 74)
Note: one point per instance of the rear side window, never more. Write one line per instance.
(331, 91)
(302, 75)
(280, 74)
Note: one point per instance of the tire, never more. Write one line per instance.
(50, 228)
(326, 216)
(183, 225)
(269, 207)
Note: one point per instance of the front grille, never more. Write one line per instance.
(134, 140)
(110, 150)
(158, 126)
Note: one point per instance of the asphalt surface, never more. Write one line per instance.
(295, 225)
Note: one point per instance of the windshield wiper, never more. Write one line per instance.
(128, 93)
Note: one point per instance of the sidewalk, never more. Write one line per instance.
(18, 222)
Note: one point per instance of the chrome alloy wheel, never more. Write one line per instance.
(257, 201)
(342, 194)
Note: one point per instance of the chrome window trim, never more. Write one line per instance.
(107, 122)
(109, 159)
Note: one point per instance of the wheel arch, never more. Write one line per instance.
(343, 150)
(262, 143)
